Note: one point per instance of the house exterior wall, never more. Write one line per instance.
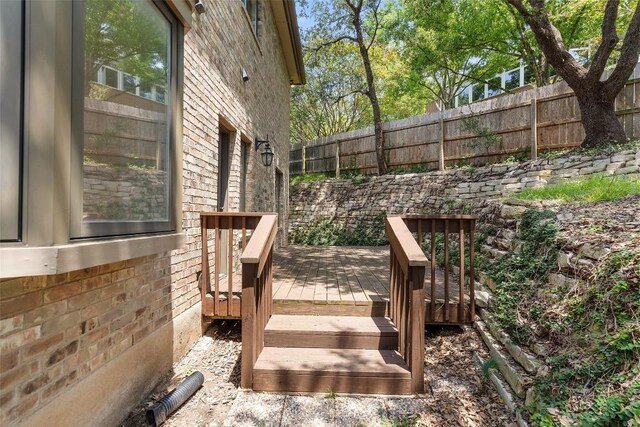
(81, 348)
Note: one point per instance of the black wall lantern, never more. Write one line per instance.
(267, 154)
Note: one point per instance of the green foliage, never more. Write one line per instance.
(331, 395)
(592, 328)
(487, 139)
(604, 325)
(515, 273)
(404, 421)
(488, 365)
(593, 189)
(324, 232)
(517, 158)
(310, 177)
(354, 175)
(419, 168)
(616, 410)
(327, 104)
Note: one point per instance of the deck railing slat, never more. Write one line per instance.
(433, 270)
(216, 265)
(204, 274)
(472, 277)
(230, 268)
(461, 278)
(446, 270)
(445, 304)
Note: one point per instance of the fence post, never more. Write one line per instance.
(441, 144)
(534, 128)
(304, 159)
(337, 159)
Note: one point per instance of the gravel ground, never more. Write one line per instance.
(457, 393)
(217, 356)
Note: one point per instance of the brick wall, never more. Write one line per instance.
(255, 108)
(57, 332)
(347, 203)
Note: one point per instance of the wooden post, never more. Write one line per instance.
(432, 317)
(461, 275)
(337, 159)
(441, 144)
(417, 329)
(248, 307)
(534, 129)
(304, 159)
(204, 274)
(446, 270)
(472, 274)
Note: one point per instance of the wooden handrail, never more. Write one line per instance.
(405, 245)
(406, 294)
(257, 293)
(257, 250)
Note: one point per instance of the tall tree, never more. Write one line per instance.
(596, 97)
(447, 45)
(355, 22)
(327, 105)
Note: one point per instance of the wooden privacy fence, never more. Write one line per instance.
(406, 296)
(488, 131)
(122, 134)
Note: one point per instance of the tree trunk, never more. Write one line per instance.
(377, 124)
(371, 93)
(600, 122)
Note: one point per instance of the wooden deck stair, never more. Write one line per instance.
(312, 340)
(343, 354)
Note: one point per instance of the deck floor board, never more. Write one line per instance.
(336, 275)
(342, 275)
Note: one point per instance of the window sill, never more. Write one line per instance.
(20, 261)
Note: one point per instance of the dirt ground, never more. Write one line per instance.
(457, 393)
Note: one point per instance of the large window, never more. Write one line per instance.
(253, 10)
(244, 169)
(279, 197)
(11, 62)
(124, 84)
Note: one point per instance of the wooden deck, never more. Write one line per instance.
(352, 281)
(340, 275)
(336, 280)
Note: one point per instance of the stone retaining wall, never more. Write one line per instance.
(347, 203)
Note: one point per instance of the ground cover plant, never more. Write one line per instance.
(596, 188)
(325, 232)
(591, 327)
(310, 177)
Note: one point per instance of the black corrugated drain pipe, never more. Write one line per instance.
(159, 412)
